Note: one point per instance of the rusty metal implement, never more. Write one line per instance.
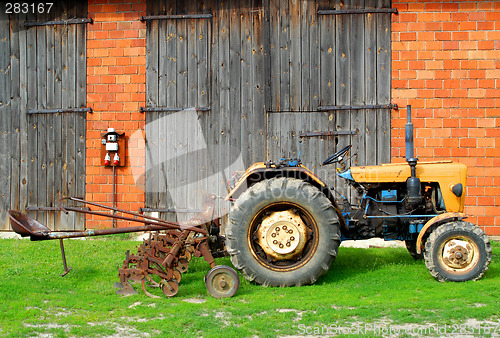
(161, 259)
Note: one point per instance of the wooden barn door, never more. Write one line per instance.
(330, 81)
(42, 113)
(260, 74)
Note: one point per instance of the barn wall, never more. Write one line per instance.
(242, 64)
(444, 62)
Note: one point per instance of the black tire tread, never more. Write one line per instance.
(461, 226)
(275, 186)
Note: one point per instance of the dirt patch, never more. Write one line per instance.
(194, 300)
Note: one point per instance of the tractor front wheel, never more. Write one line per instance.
(283, 232)
(457, 251)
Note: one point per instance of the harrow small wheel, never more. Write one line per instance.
(169, 287)
(182, 265)
(222, 282)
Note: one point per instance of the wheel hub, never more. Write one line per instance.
(457, 254)
(282, 235)
(221, 283)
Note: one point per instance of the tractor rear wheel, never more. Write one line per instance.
(457, 251)
(283, 232)
(411, 245)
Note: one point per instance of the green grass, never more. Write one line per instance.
(364, 287)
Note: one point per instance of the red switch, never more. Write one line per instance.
(116, 159)
(107, 159)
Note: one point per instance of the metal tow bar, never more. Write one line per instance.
(161, 259)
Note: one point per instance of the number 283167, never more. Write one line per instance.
(25, 8)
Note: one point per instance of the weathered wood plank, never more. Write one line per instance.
(192, 58)
(181, 133)
(160, 133)
(15, 107)
(152, 93)
(266, 31)
(357, 86)
(163, 63)
(167, 160)
(51, 81)
(295, 56)
(67, 120)
(311, 147)
(212, 121)
(284, 40)
(325, 146)
(273, 120)
(23, 119)
(5, 121)
(192, 127)
(203, 47)
(327, 55)
(32, 177)
(246, 93)
(237, 117)
(284, 128)
(384, 82)
(305, 47)
(275, 57)
(357, 83)
(41, 74)
(224, 90)
(370, 87)
(296, 65)
(80, 118)
(342, 85)
(59, 217)
(71, 118)
(259, 114)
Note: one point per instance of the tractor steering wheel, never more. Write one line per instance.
(337, 157)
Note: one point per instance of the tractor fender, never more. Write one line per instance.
(449, 216)
(260, 171)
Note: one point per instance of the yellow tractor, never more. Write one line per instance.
(286, 225)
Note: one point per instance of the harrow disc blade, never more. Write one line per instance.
(127, 290)
(182, 265)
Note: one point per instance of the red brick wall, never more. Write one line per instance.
(446, 64)
(116, 77)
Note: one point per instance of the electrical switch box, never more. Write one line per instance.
(113, 146)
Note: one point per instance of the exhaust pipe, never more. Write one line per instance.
(413, 182)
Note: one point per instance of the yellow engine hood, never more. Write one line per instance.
(446, 173)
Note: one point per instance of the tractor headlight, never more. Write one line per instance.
(457, 189)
